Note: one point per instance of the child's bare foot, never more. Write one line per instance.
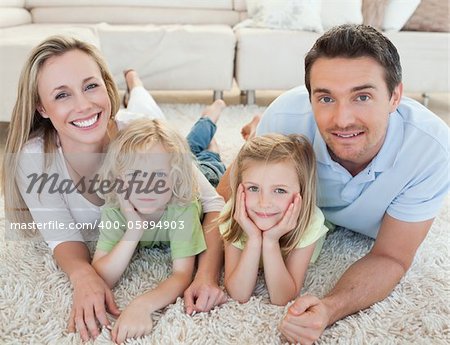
(132, 79)
(214, 110)
(248, 131)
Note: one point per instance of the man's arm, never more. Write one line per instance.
(367, 281)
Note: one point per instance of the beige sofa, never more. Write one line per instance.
(191, 45)
(274, 59)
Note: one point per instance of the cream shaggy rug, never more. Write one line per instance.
(36, 295)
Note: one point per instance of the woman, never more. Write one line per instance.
(63, 119)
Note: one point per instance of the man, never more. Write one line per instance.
(383, 165)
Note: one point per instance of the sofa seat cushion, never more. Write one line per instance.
(425, 68)
(12, 3)
(271, 59)
(15, 46)
(11, 16)
(187, 57)
(211, 4)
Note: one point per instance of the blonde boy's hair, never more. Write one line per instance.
(134, 141)
(26, 122)
(275, 148)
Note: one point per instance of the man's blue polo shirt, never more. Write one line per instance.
(408, 178)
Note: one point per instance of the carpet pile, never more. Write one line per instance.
(35, 296)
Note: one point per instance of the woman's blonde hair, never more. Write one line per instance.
(27, 123)
(134, 141)
(275, 148)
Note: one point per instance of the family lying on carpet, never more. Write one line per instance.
(380, 160)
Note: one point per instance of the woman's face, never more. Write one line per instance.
(73, 96)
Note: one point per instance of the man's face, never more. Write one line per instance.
(351, 105)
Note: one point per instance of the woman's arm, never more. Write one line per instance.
(136, 320)
(91, 293)
(284, 280)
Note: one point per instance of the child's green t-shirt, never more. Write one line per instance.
(179, 227)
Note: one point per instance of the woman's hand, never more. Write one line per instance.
(135, 321)
(287, 223)
(241, 216)
(90, 296)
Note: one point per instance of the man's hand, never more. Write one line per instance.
(202, 295)
(305, 320)
(90, 296)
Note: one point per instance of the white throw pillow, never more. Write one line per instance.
(284, 14)
(397, 13)
(337, 12)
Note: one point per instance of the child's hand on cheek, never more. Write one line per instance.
(241, 216)
(126, 207)
(287, 223)
(134, 221)
(135, 321)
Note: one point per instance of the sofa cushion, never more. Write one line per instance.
(12, 3)
(424, 57)
(341, 12)
(284, 14)
(397, 13)
(373, 12)
(186, 57)
(15, 45)
(262, 61)
(133, 15)
(212, 4)
(431, 15)
(239, 5)
(11, 16)
(333, 12)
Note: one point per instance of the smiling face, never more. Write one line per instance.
(150, 199)
(74, 97)
(351, 105)
(269, 190)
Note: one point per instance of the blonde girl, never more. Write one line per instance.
(157, 203)
(271, 217)
(63, 120)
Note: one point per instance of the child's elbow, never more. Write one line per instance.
(283, 300)
(237, 295)
(242, 300)
(280, 301)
